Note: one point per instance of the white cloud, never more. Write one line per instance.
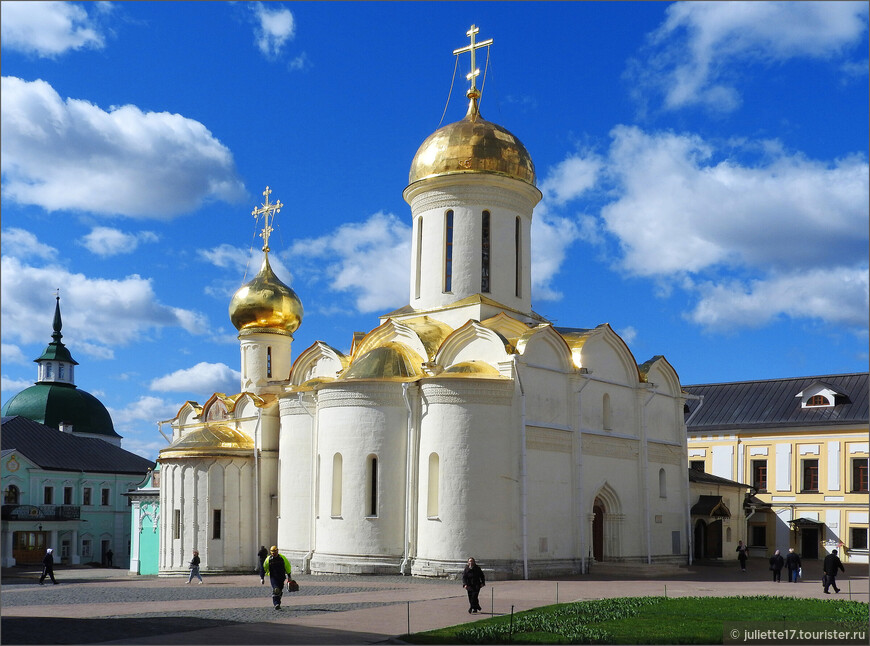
(97, 313)
(204, 378)
(680, 210)
(105, 241)
(759, 227)
(301, 62)
(836, 295)
(570, 178)
(24, 244)
(701, 46)
(73, 155)
(47, 29)
(13, 354)
(551, 237)
(15, 386)
(628, 334)
(273, 28)
(369, 260)
(137, 424)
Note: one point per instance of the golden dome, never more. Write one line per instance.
(472, 145)
(209, 440)
(266, 305)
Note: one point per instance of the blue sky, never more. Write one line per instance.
(704, 169)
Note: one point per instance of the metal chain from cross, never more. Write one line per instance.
(268, 211)
(473, 47)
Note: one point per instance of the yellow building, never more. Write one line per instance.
(802, 444)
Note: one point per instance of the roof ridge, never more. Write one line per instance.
(759, 381)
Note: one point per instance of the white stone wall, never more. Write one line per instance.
(297, 464)
(472, 426)
(197, 488)
(359, 419)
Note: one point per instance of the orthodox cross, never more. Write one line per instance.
(268, 211)
(474, 73)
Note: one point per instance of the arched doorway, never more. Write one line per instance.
(700, 538)
(598, 530)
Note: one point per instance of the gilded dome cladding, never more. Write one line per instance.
(266, 304)
(472, 145)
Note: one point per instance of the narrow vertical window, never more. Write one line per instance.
(860, 479)
(176, 523)
(419, 262)
(67, 495)
(48, 370)
(60, 371)
(336, 485)
(372, 486)
(434, 477)
(484, 253)
(759, 474)
(663, 484)
(518, 260)
(216, 524)
(269, 362)
(448, 252)
(810, 475)
(48, 496)
(86, 496)
(105, 497)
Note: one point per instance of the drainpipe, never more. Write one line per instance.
(407, 538)
(258, 525)
(690, 530)
(306, 560)
(578, 465)
(524, 516)
(645, 471)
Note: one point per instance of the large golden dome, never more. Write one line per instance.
(266, 305)
(472, 145)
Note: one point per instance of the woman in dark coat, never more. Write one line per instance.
(262, 555)
(473, 580)
(741, 555)
(47, 567)
(776, 563)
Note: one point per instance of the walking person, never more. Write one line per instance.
(194, 567)
(793, 565)
(831, 564)
(48, 567)
(278, 568)
(742, 555)
(473, 580)
(261, 556)
(776, 563)
(109, 556)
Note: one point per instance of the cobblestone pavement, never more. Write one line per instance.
(92, 606)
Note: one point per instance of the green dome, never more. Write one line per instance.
(53, 403)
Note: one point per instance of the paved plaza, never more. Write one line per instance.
(108, 606)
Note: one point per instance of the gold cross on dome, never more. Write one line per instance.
(268, 211)
(474, 73)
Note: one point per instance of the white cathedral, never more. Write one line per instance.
(465, 424)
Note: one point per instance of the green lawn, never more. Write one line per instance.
(650, 620)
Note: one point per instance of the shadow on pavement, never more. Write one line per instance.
(61, 630)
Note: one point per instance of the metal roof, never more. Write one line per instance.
(708, 478)
(54, 450)
(772, 403)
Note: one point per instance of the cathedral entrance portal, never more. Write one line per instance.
(598, 531)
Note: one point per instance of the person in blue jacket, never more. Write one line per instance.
(278, 568)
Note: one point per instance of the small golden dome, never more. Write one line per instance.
(266, 305)
(472, 145)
